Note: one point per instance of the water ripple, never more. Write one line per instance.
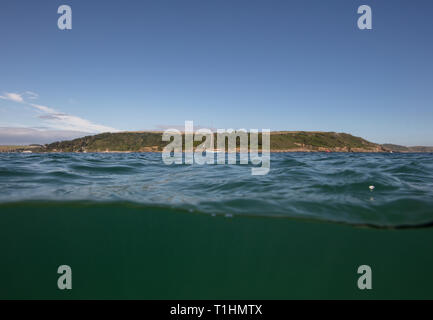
(332, 187)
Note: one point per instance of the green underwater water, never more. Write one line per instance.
(124, 250)
(131, 227)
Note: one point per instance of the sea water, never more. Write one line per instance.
(132, 227)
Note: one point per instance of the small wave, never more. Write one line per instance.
(146, 208)
(326, 187)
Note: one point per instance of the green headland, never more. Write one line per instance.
(281, 141)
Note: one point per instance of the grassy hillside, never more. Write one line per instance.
(317, 141)
(397, 148)
(280, 141)
(122, 141)
(20, 148)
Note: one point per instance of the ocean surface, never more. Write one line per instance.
(319, 186)
(132, 227)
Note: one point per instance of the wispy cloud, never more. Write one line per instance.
(16, 97)
(55, 119)
(63, 121)
(31, 95)
(43, 108)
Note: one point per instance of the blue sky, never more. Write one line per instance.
(283, 65)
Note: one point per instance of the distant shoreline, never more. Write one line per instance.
(281, 141)
(271, 151)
